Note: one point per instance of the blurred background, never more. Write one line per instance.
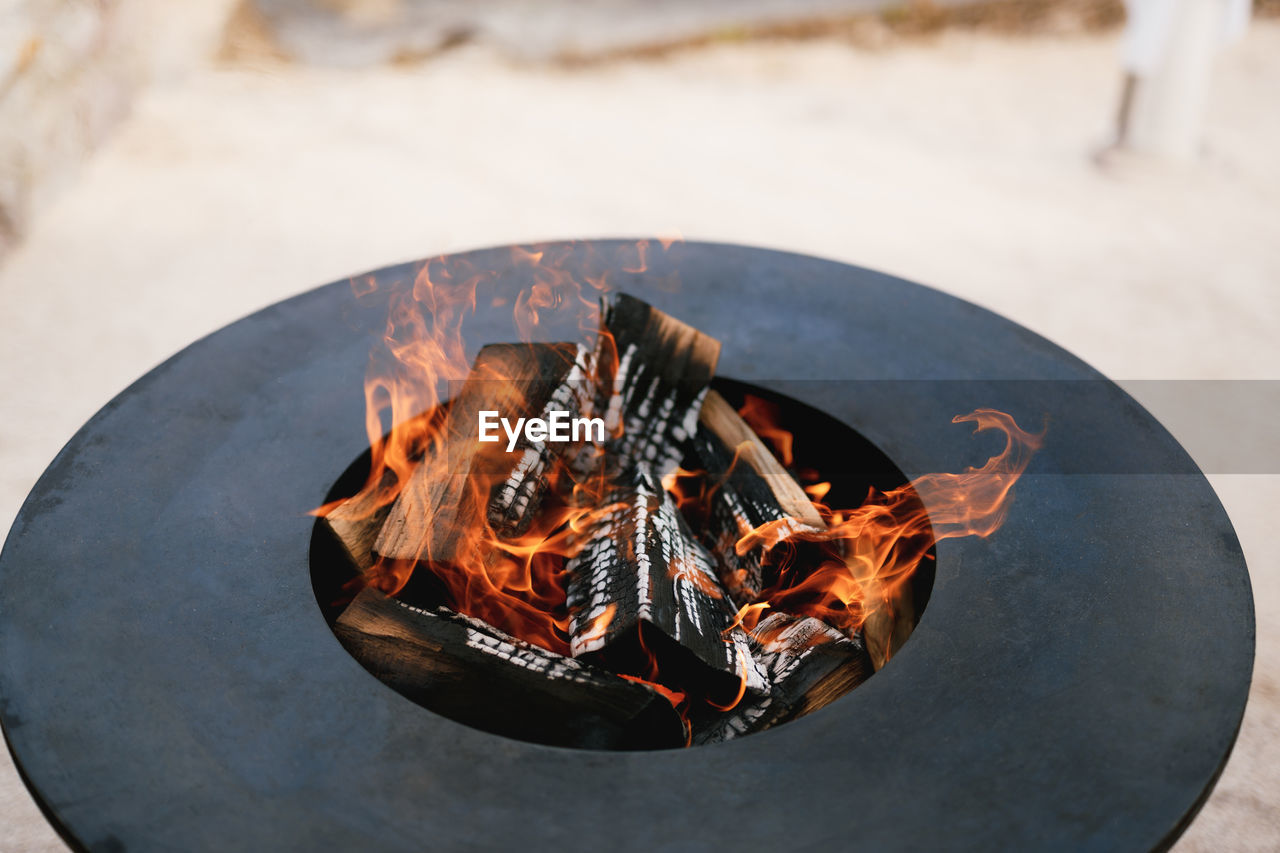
(1107, 177)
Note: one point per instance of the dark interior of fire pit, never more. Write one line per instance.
(824, 449)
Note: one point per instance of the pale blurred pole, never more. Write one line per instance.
(1169, 48)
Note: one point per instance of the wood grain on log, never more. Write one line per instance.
(889, 625)
(466, 482)
(355, 525)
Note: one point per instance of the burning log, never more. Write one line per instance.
(467, 670)
(809, 665)
(652, 381)
(643, 566)
(752, 489)
(473, 482)
(890, 625)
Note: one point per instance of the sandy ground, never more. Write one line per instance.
(961, 162)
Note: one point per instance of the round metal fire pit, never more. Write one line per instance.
(168, 681)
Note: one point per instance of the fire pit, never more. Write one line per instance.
(169, 681)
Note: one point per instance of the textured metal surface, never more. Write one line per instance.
(168, 681)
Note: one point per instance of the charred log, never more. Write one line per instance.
(469, 483)
(468, 671)
(751, 488)
(809, 665)
(653, 372)
(643, 565)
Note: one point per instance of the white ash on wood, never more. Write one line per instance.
(468, 670)
(653, 378)
(643, 565)
(808, 663)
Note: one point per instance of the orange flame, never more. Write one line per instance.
(675, 697)
(599, 625)
(763, 416)
(517, 584)
(817, 491)
(872, 550)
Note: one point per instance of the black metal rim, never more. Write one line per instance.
(168, 681)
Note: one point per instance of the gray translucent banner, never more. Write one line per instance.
(1225, 426)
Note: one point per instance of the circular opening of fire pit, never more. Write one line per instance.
(473, 673)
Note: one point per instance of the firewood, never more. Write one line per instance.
(889, 625)
(642, 566)
(751, 489)
(355, 525)
(809, 665)
(653, 377)
(470, 672)
(470, 483)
